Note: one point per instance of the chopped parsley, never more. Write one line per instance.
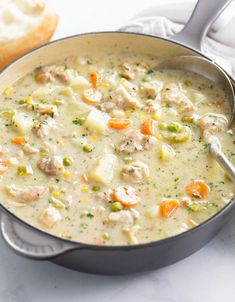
(78, 121)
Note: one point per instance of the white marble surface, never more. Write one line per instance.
(207, 276)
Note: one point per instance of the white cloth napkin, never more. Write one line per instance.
(167, 19)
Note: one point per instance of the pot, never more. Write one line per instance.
(32, 243)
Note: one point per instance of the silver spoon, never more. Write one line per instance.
(214, 73)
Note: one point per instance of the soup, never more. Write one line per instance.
(111, 151)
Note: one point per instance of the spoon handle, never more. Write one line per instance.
(203, 16)
(222, 160)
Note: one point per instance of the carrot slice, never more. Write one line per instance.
(119, 124)
(19, 140)
(168, 207)
(3, 167)
(126, 195)
(197, 189)
(91, 96)
(148, 127)
(95, 79)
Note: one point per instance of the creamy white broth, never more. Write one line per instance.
(80, 199)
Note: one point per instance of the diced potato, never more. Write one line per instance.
(66, 91)
(97, 121)
(152, 212)
(42, 92)
(79, 82)
(166, 152)
(22, 122)
(105, 169)
(79, 141)
(50, 216)
(79, 108)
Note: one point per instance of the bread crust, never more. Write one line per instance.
(38, 36)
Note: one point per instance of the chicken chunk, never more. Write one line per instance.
(151, 105)
(123, 217)
(125, 100)
(135, 141)
(47, 74)
(107, 106)
(135, 214)
(142, 68)
(50, 216)
(135, 172)
(131, 70)
(51, 165)
(44, 126)
(128, 71)
(29, 150)
(31, 193)
(104, 196)
(130, 233)
(211, 124)
(151, 89)
(173, 94)
(45, 109)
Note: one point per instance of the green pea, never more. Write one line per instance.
(88, 148)
(67, 161)
(173, 127)
(162, 126)
(106, 236)
(187, 119)
(79, 121)
(188, 83)
(116, 206)
(96, 188)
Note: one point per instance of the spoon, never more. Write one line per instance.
(214, 73)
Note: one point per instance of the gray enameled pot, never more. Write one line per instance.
(32, 243)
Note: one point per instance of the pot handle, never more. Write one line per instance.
(203, 16)
(31, 243)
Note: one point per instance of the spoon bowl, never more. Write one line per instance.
(207, 69)
(214, 73)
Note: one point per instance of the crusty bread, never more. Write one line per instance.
(24, 25)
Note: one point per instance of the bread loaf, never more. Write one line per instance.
(24, 25)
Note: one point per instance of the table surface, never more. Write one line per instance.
(208, 275)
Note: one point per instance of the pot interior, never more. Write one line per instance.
(87, 44)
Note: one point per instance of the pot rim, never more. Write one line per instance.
(77, 244)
